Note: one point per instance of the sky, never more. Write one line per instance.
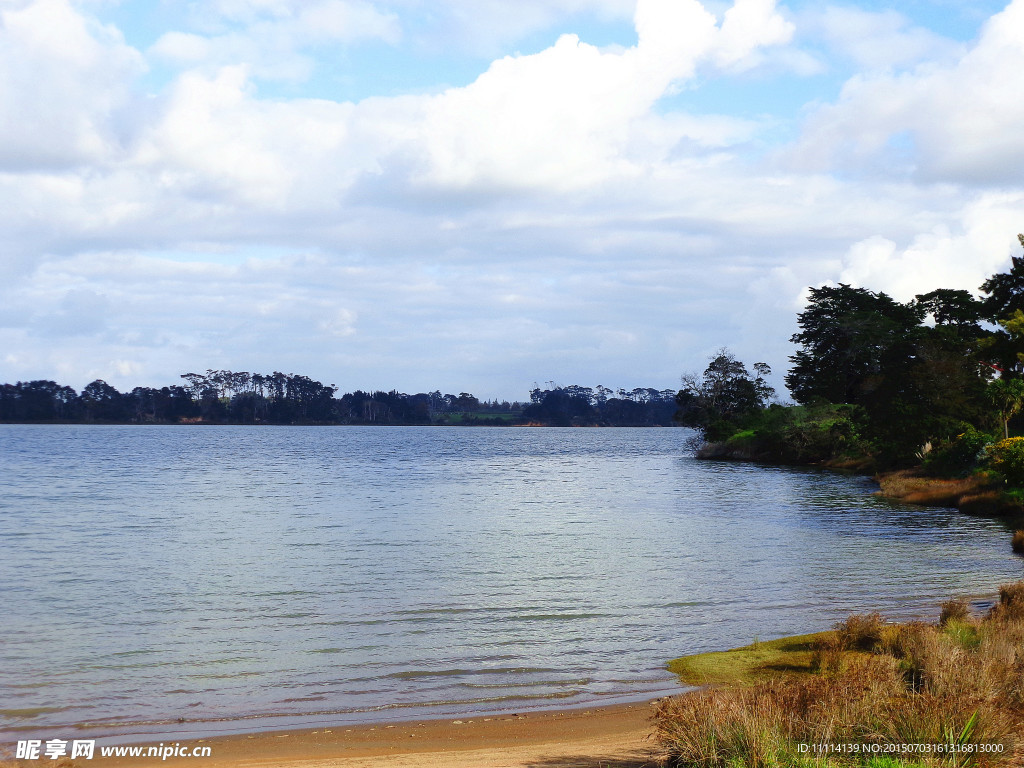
(486, 195)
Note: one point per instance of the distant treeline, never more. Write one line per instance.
(228, 397)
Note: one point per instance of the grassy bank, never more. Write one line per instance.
(751, 663)
(957, 686)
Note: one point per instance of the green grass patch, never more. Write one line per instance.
(751, 663)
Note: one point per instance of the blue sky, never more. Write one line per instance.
(474, 195)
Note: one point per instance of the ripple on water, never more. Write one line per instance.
(227, 575)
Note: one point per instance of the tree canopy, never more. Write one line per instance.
(717, 400)
(889, 378)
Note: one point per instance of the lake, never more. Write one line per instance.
(204, 580)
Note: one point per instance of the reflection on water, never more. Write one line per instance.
(203, 578)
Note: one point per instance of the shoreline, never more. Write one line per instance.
(619, 736)
(972, 495)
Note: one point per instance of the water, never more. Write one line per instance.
(186, 580)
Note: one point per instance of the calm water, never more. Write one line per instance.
(178, 580)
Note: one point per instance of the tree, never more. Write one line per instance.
(1003, 303)
(853, 343)
(915, 380)
(102, 402)
(950, 308)
(1007, 396)
(715, 401)
(1005, 291)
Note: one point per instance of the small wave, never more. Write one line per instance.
(417, 673)
(29, 712)
(528, 684)
(561, 616)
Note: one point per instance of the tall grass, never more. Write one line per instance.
(957, 683)
(1017, 542)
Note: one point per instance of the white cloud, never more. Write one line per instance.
(571, 115)
(64, 86)
(957, 122)
(877, 40)
(979, 248)
(554, 218)
(272, 38)
(748, 26)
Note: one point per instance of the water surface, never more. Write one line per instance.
(173, 580)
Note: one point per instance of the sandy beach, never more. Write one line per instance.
(606, 737)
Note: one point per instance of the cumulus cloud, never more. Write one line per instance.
(271, 37)
(573, 114)
(952, 122)
(965, 257)
(65, 86)
(748, 26)
(877, 40)
(556, 217)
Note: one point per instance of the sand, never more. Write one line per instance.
(607, 737)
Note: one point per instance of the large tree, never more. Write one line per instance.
(914, 367)
(715, 401)
(852, 342)
(1003, 305)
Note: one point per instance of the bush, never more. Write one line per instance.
(1007, 458)
(827, 657)
(960, 684)
(1018, 542)
(802, 434)
(954, 610)
(958, 456)
(1011, 603)
(862, 632)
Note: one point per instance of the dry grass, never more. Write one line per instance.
(861, 632)
(1018, 542)
(985, 503)
(914, 488)
(961, 682)
(954, 610)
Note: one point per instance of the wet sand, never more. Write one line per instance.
(605, 737)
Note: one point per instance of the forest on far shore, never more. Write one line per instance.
(228, 397)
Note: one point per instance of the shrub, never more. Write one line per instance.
(827, 656)
(1007, 458)
(1011, 603)
(963, 633)
(958, 684)
(954, 610)
(959, 455)
(1018, 542)
(861, 631)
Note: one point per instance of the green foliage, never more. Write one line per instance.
(1007, 397)
(959, 456)
(802, 434)
(1003, 303)
(850, 339)
(963, 633)
(1007, 458)
(717, 401)
(912, 367)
